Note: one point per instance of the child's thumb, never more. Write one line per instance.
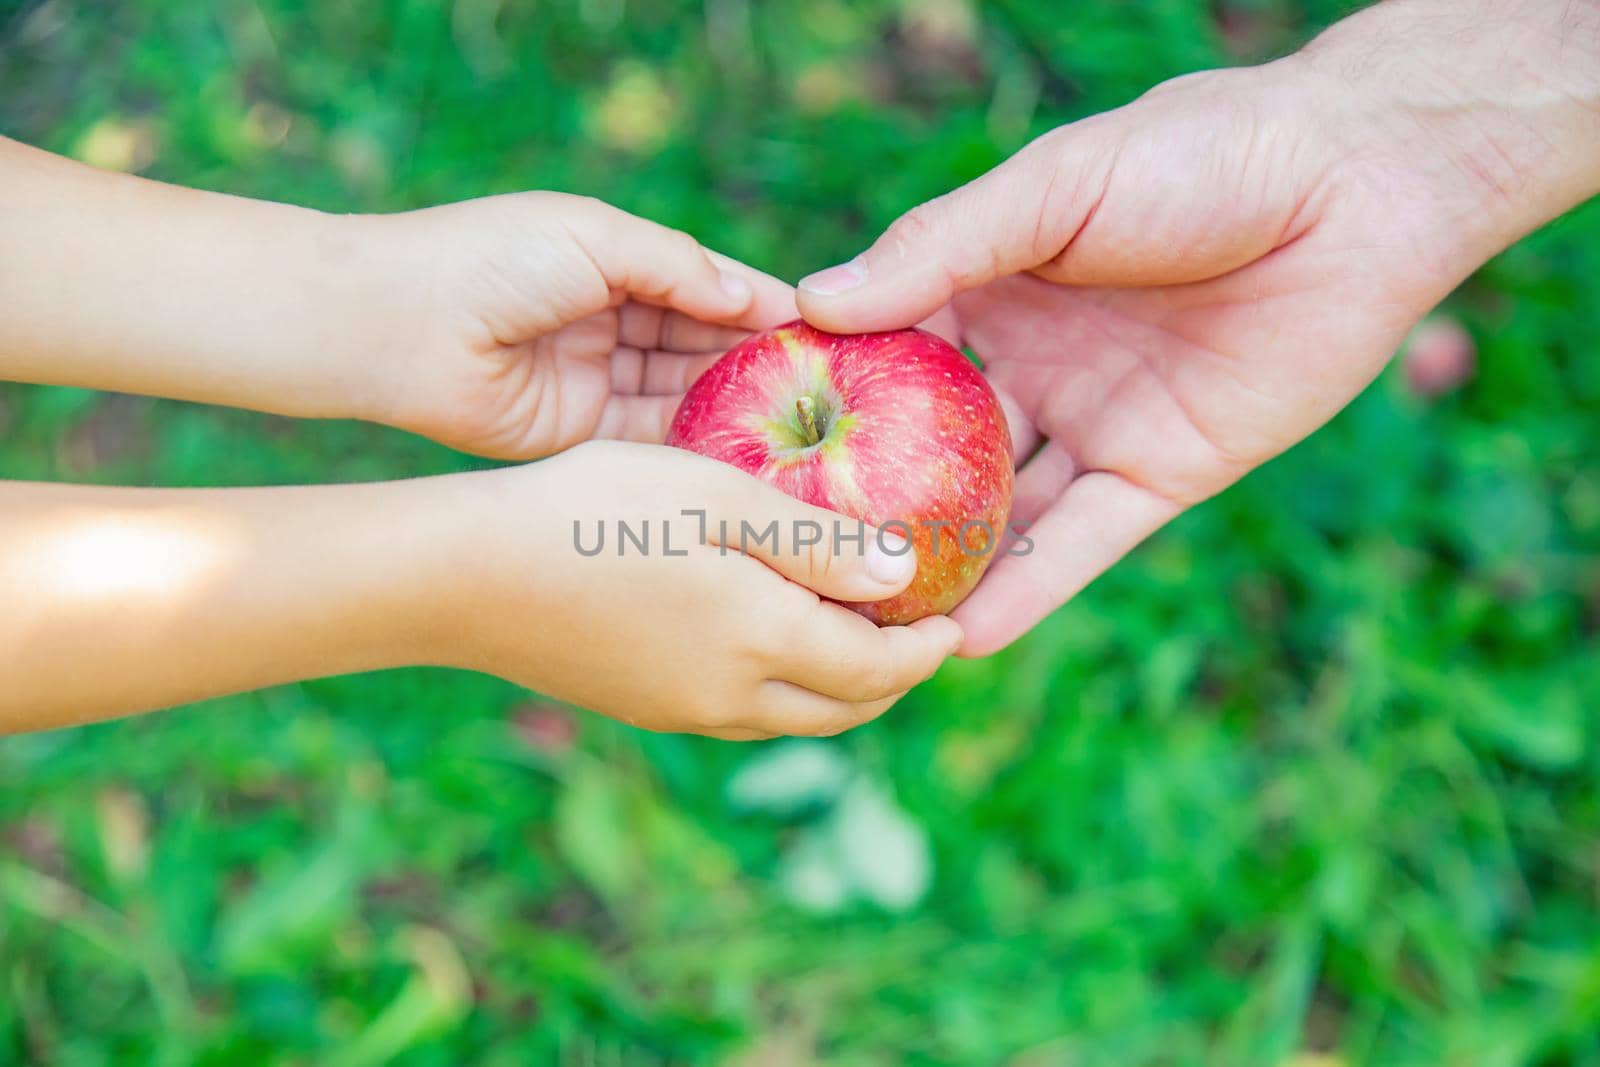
(833, 555)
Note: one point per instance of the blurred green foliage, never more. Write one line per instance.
(1311, 779)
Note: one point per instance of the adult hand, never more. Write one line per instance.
(1170, 294)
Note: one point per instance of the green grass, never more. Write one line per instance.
(1315, 771)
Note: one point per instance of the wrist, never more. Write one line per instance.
(488, 550)
(367, 570)
(1490, 107)
(511, 585)
(446, 570)
(362, 297)
(391, 289)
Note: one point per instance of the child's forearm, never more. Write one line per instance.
(115, 601)
(114, 282)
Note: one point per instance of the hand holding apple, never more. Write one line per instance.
(696, 633)
(1179, 290)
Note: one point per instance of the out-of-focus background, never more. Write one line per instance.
(1310, 780)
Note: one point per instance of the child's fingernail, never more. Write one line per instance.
(736, 287)
(836, 280)
(890, 560)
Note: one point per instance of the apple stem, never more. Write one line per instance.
(806, 408)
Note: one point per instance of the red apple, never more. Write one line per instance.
(897, 429)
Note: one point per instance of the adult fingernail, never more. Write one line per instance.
(890, 560)
(836, 280)
(736, 287)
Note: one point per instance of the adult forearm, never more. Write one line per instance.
(115, 601)
(1503, 97)
(111, 281)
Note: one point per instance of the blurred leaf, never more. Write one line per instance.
(592, 831)
(866, 849)
(788, 777)
(435, 998)
(296, 906)
(124, 833)
(884, 853)
(1542, 726)
(812, 876)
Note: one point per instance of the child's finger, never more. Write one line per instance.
(656, 373)
(794, 711)
(846, 657)
(637, 418)
(651, 328)
(774, 302)
(739, 734)
(662, 266)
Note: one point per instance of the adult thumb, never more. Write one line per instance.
(1014, 218)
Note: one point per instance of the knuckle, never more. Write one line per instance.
(683, 244)
(672, 333)
(580, 202)
(871, 677)
(822, 558)
(572, 208)
(769, 650)
(684, 250)
(530, 200)
(916, 225)
(793, 633)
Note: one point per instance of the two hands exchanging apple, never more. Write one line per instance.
(792, 578)
(864, 483)
(1168, 295)
(1163, 297)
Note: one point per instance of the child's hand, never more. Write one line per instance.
(700, 639)
(176, 595)
(512, 326)
(524, 324)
